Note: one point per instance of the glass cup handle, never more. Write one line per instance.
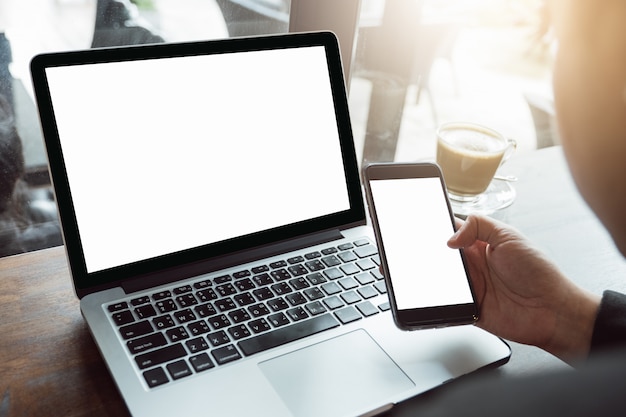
(511, 147)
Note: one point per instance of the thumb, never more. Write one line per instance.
(475, 228)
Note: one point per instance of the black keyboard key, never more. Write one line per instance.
(278, 264)
(239, 315)
(118, 306)
(350, 297)
(241, 274)
(348, 283)
(218, 338)
(295, 260)
(206, 295)
(226, 289)
(366, 251)
(262, 279)
(219, 321)
(297, 270)
(239, 332)
(365, 278)
(333, 273)
(222, 279)
(145, 311)
(331, 261)
(366, 264)
(316, 278)
(159, 356)
(197, 345)
(185, 316)
(165, 306)
(201, 285)
(258, 310)
(328, 251)
(299, 283)
(331, 288)
(367, 292)
(384, 306)
(259, 269)
(297, 314)
(163, 322)
(315, 308)
(263, 294)
(198, 327)
(280, 274)
(244, 284)
(182, 290)
(205, 310)
(348, 315)
(123, 317)
(281, 288)
(345, 246)
(225, 354)
(296, 299)
(347, 256)
(244, 299)
(258, 326)
(144, 343)
(278, 319)
(314, 293)
(136, 329)
(225, 304)
(161, 295)
(277, 304)
(177, 334)
(285, 335)
(313, 255)
(350, 269)
(179, 369)
(367, 309)
(155, 377)
(315, 265)
(201, 362)
(381, 287)
(333, 302)
(140, 300)
(186, 300)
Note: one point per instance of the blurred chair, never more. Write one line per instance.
(118, 23)
(255, 17)
(386, 55)
(544, 120)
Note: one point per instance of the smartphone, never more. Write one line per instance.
(427, 282)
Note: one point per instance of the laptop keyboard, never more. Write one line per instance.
(187, 329)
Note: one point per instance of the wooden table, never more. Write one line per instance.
(49, 364)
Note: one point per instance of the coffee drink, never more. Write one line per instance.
(469, 156)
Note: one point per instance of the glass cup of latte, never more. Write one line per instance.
(469, 156)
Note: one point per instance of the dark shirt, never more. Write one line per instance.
(597, 388)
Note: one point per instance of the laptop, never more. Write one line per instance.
(216, 234)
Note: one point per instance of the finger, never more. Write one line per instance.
(475, 228)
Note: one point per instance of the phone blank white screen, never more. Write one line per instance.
(415, 225)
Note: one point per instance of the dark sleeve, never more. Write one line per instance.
(610, 326)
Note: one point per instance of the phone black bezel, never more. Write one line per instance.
(421, 318)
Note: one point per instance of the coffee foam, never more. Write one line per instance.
(472, 140)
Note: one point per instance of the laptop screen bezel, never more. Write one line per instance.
(85, 282)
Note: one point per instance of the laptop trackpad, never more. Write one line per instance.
(335, 377)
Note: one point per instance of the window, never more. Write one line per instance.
(412, 65)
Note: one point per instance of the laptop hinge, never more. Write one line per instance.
(226, 261)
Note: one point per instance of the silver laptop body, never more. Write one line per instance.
(216, 233)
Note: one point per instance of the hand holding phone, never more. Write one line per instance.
(427, 282)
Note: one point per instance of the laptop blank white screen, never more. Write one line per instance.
(170, 154)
